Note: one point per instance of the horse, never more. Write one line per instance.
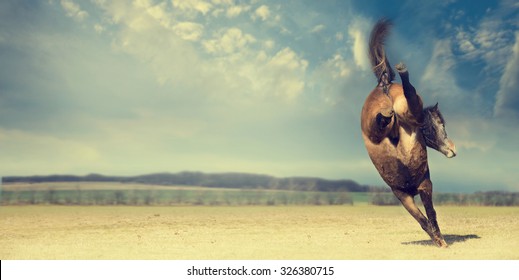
(396, 130)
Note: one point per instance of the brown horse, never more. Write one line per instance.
(396, 130)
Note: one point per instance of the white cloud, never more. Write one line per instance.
(338, 67)
(438, 79)
(190, 6)
(488, 40)
(442, 59)
(189, 31)
(318, 28)
(99, 28)
(158, 12)
(223, 2)
(507, 99)
(139, 16)
(257, 77)
(164, 50)
(269, 44)
(467, 47)
(493, 43)
(287, 58)
(357, 32)
(73, 10)
(230, 41)
(217, 12)
(489, 34)
(233, 66)
(263, 12)
(338, 81)
(286, 72)
(465, 44)
(236, 10)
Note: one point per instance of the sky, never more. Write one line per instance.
(269, 87)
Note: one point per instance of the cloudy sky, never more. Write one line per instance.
(272, 87)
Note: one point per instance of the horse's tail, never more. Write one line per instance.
(377, 55)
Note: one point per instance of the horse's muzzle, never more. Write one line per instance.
(451, 149)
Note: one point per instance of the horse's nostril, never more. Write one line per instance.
(451, 154)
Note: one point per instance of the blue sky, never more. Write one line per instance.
(272, 87)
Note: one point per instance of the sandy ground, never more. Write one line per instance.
(266, 232)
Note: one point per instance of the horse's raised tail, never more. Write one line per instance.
(377, 54)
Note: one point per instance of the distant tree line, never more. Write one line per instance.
(493, 198)
(216, 180)
(211, 197)
(337, 190)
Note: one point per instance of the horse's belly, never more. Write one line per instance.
(410, 150)
(402, 167)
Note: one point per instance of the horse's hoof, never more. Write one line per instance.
(401, 68)
(441, 243)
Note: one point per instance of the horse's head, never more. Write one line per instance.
(434, 132)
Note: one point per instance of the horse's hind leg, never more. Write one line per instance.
(425, 191)
(408, 203)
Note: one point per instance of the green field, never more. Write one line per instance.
(69, 193)
(252, 232)
(132, 194)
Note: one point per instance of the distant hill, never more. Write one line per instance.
(214, 180)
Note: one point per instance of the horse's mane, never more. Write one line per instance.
(435, 109)
(429, 129)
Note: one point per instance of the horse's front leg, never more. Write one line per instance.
(407, 201)
(414, 103)
(425, 191)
